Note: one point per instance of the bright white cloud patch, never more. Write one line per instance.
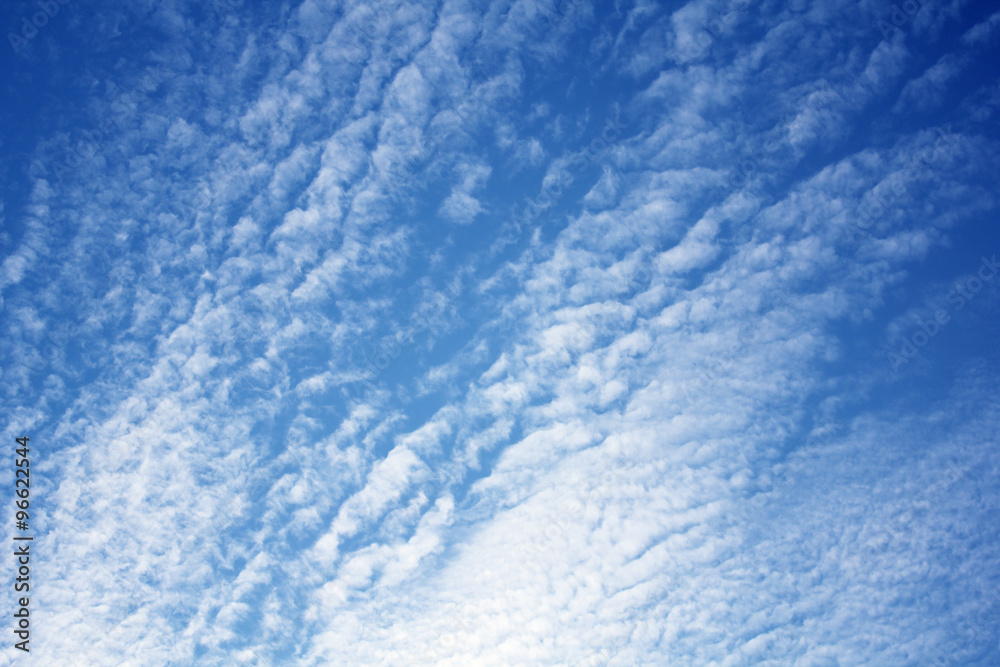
(510, 334)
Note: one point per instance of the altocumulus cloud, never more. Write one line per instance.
(526, 333)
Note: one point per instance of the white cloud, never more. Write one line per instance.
(611, 438)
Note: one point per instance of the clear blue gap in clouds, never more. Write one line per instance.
(32, 104)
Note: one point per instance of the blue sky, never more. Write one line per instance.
(514, 333)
